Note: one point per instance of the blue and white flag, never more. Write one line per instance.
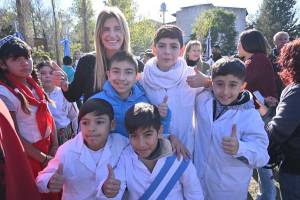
(67, 50)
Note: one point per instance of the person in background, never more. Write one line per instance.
(284, 127)
(68, 69)
(216, 53)
(280, 39)
(147, 55)
(252, 46)
(193, 56)
(64, 113)
(76, 57)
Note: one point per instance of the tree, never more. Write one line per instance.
(221, 25)
(6, 23)
(142, 33)
(277, 15)
(85, 13)
(23, 7)
(55, 32)
(127, 7)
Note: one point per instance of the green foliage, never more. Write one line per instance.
(39, 55)
(6, 22)
(277, 15)
(221, 25)
(127, 7)
(142, 33)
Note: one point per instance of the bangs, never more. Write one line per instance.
(15, 49)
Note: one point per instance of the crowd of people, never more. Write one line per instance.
(169, 126)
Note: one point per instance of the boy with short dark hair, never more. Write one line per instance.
(122, 91)
(166, 76)
(68, 69)
(230, 139)
(148, 168)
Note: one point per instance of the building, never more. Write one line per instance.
(186, 17)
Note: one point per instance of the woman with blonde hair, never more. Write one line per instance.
(111, 35)
(193, 56)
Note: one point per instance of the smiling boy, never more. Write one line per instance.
(230, 137)
(148, 168)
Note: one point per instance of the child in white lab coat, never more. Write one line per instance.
(148, 168)
(230, 137)
(83, 162)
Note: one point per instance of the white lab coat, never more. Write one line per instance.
(135, 175)
(181, 97)
(224, 176)
(81, 174)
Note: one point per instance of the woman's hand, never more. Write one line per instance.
(198, 80)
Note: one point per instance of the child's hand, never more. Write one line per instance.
(163, 107)
(58, 77)
(57, 180)
(231, 144)
(111, 186)
(198, 80)
(179, 148)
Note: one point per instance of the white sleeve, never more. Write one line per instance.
(192, 189)
(254, 142)
(44, 176)
(72, 115)
(120, 174)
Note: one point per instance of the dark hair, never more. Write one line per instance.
(149, 53)
(253, 41)
(289, 60)
(169, 31)
(142, 115)
(124, 56)
(229, 66)
(14, 48)
(67, 60)
(97, 106)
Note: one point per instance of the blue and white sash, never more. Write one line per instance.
(166, 178)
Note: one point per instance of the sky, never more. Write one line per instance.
(151, 8)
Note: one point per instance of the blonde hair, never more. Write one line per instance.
(188, 47)
(101, 60)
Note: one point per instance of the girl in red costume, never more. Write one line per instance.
(27, 103)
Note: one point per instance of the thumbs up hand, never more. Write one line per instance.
(163, 107)
(111, 185)
(231, 144)
(198, 80)
(56, 182)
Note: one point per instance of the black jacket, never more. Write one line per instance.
(83, 82)
(284, 128)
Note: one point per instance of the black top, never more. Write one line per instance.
(284, 128)
(83, 82)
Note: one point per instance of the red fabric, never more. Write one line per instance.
(42, 145)
(43, 115)
(260, 75)
(19, 180)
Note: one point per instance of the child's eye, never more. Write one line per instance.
(174, 47)
(118, 28)
(84, 123)
(99, 122)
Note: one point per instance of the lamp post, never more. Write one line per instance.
(163, 9)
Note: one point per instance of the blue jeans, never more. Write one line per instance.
(289, 186)
(266, 185)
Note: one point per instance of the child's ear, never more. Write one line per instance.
(154, 49)
(243, 86)
(181, 51)
(2, 65)
(160, 131)
(112, 125)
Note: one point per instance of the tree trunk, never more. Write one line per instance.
(21, 14)
(55, 33)
(85, 28)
